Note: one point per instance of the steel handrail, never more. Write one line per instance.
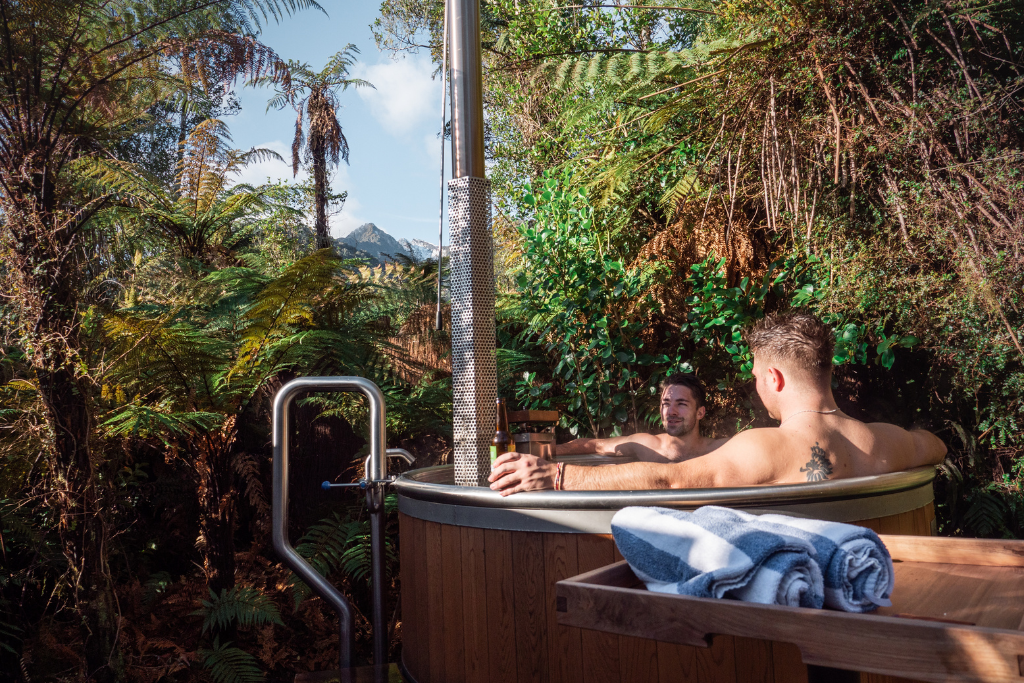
(375, 474)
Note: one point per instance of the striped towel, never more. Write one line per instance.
(855, 564)
(716, 552)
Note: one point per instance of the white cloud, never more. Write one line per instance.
(405, 97)
(432, 148)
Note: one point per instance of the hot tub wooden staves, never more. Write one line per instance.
(479, 604)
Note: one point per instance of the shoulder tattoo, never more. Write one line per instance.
(818, 468)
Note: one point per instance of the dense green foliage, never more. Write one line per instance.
(152, 306)
(663, 176)
(867, 152)
(587, 309)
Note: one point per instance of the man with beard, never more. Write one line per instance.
(682, 409)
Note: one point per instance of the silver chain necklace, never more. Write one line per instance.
(809, 410)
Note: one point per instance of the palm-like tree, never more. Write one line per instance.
(319, 142)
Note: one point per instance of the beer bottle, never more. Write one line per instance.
(502, 441)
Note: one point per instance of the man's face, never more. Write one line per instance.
(679, 411)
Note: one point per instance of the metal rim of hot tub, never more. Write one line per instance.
(431, 495)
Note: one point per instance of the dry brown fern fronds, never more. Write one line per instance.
(419, 348)
(696, 234)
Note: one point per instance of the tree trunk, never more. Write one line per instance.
(217, 493)
(46, 262)
(82, 528)
(319, 154)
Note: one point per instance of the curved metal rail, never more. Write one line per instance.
(375, 476)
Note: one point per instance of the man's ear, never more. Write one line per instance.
(701, 412)
(776, 380)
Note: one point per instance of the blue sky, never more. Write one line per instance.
(392, 179)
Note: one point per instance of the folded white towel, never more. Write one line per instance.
(855, 564)
(718, 552)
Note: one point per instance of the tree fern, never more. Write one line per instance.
(228, 664)
(244, 606)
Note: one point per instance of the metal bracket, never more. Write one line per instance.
(376, 474)
(365, 483)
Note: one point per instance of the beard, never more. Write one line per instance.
(683, 427)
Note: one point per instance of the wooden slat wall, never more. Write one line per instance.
(479, 605)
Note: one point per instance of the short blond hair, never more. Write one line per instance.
(797, 339)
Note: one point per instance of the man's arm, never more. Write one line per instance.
(742, 461)
(606, 446)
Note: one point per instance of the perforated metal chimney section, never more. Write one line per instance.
(474, 379)
(474, 375)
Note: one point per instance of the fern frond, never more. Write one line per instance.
(229, 664)
(9, 633)
(596, 66)
(614, 69)
(636, 66)
(577, 79)
(987, 514)
(242, 605)
(563, 71)
(675, 194)
(655, 63)
(157, 353)
(161, 422)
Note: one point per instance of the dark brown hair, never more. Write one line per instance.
(683, 379)
(797, 337)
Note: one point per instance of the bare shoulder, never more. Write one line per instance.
(886, 429)
(745, 446)
(888, 436)
(758, 439)
(912, 448)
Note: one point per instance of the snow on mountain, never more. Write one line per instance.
(421, 249)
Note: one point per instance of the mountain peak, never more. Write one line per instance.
(379, 244)
(374, 241)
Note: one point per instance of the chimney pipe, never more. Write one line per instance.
(471, 256)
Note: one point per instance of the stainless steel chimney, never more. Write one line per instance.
(474, 376)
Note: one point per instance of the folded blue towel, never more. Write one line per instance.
(717, 552)
(855, 564)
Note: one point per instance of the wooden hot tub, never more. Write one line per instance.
(479, 572)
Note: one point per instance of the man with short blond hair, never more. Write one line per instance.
(814, 441)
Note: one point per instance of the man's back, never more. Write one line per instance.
(839, 447)
(815, 447)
